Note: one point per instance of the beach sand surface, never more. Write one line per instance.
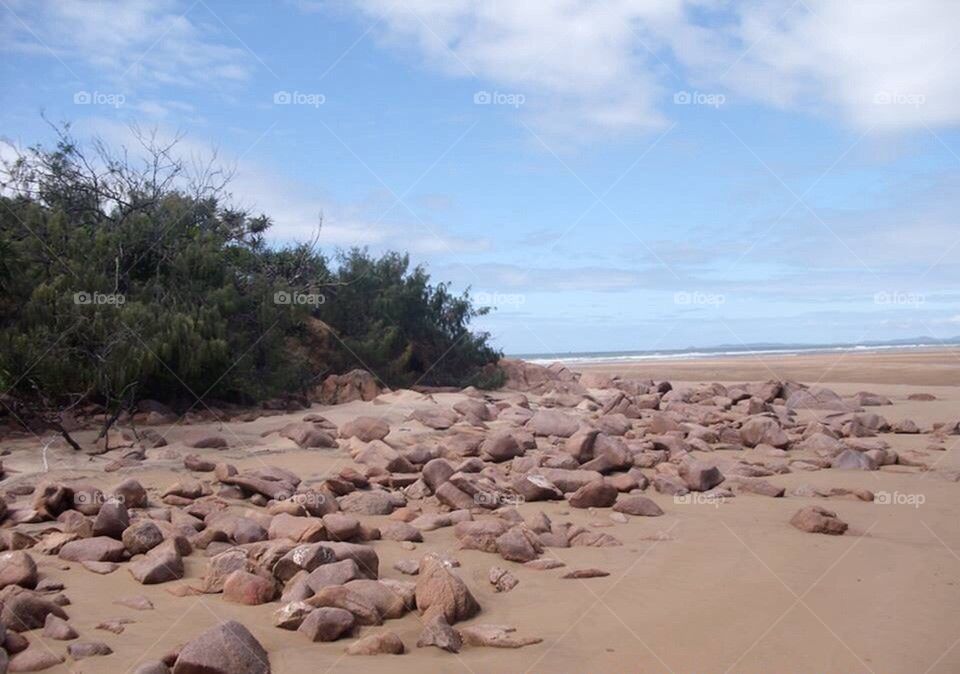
(708, 587)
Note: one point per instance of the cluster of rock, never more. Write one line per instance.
(592, 441)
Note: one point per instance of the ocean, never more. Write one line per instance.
(728, 351)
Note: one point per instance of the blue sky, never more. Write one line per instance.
(619, 175)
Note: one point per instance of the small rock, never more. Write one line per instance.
(88, 649)
(58, 628)
(377, 644)
(501, 579)
(817, 520)
(585, 573)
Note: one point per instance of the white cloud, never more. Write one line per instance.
(612, 67)
(130, 41)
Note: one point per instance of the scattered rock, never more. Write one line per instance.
(817, 520)
(228, 648)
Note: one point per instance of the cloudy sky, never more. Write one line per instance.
(626, 174)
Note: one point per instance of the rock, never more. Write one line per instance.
(377, 644)
(297, 529)
(401, 531)
(101, 568)
(343, 388)
(698, 476)
(850, 459)
(585, 573)
(519, 544)
(438, 633)
(17, 568)
(905, 426)
(533, 487)
(368, 503)
(136, 602)
(817, 520)
(160, 565)
(453, 497)
(204, 440)
(501, 446)
(501, 579)
(817, 398)
(670, 485)
(98, 549)
(51, 498)
(292, 614)
(868, 399)
(327, 624)
(131, 493)
(198, 464)
(365, 429)
(597, 494)
(141, 537)
(436, 472)
(58, 628)
(760, 487)
(25, 611)
(544, 564)
(307, 435)
(363, 608)
(89, 649)
(365, 557)
(436, 418)
(243, 587)
(409, 567)
(495, 636)
(34, 659)
(439, 592)
(337, 573)
(341, 527)
(152, 667)
(111, 520)
(552, 423)
(228, 648)
(763, 430)
(638, 505)
(569, 480)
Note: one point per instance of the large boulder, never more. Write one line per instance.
(228, 648)
(763, 430)
(343, 388)
(441, 593)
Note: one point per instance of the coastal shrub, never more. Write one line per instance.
(123, 280)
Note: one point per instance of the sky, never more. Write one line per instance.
(617, 175)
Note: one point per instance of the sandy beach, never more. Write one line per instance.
(710, 586)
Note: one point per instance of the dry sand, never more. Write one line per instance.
(705, 588)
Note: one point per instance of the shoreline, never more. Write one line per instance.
(912, 367)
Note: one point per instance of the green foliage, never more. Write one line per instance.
(121, 282)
